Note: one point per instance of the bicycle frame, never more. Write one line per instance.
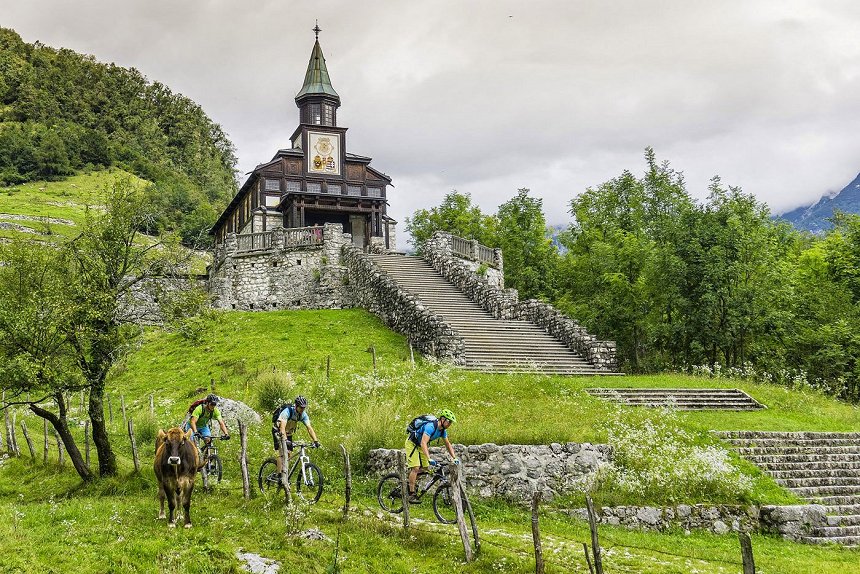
(434, 478)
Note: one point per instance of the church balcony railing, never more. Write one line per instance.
(253, 241)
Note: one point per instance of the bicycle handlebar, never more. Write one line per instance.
(301, 444)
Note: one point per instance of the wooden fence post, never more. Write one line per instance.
(110, 409)
(411, 355)
(14, 439)
(285, 469)
(82, 411)
(60, 458)
(212, 383)
(347, 493)
(29, 442)
(468, 506)
(595, 543)
(373, 354)
(457, 499)
(243, 459)
(404, 487)
(587, 557)
(328, 368)
(133, 445)
(87, 441)
(122, 404)
(536, 533)
(45, 425)
(747, 552)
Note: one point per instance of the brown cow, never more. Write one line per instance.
(176, 464)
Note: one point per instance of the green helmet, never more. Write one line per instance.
(448, 415)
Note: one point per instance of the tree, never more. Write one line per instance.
(529, 255)
(36, 365)
(456, 215)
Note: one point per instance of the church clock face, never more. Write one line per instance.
(323, 153)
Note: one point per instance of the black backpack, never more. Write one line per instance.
(414, 427)
(278, 412)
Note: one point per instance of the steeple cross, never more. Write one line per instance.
(317, 30)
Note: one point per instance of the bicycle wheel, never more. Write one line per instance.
(269, 479)
(214, 467)
(309, 489)
(388, 493)
(443, 504)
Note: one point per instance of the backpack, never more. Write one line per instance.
(278, 412)
(195, 404)
(414, 427)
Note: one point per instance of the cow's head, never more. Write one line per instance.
(174, 440)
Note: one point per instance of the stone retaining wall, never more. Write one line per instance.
(505, 303)
(716, 519)
(281, 277)
(375, 290)
(792, 522)
(513, 472)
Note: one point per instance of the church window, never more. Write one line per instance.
(273, 185)
(314, 187)
(294, 186)
(353, 190)
(316, 117)
(272, 200)
(335, 188)
(328, 115)
(374, 192)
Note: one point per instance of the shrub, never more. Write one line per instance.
(274, 388)
(655, 459)
(145, 429)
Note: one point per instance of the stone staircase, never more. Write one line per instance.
(491, 345)
(681, 399)
(819, 467)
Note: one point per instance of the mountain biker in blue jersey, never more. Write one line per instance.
(416, 447)
(285, 424)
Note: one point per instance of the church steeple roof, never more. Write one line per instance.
(317, 81)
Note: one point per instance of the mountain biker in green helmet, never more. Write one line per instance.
(427, 429)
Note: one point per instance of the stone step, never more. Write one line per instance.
(843, 510)
(794, 483)
(843, 520)
(786, 435)
(782, 443)
(848, 541)
(788, 450)
(781, 466)
(761, 459)
(836, 531)
(804, 472)
(818, 492)
(834, 501)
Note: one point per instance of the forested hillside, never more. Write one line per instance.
(62, 112)
(682, 284)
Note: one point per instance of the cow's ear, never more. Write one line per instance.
(188, 434)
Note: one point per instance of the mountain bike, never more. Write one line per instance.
(308, 476)
(388, 493)
(212, 467)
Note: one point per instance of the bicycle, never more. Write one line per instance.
(212, 467)
(309, 478)
(388, 494)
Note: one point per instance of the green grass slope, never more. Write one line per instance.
(49, 523)
(27, 210)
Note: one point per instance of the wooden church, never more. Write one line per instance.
(314, 180)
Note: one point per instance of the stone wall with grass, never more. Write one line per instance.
(513, 471)
(376, 291)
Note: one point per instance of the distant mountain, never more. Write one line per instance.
(814, 217)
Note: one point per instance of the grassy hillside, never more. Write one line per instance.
(29, 208)
(110, 526)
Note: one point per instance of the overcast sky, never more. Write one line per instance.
(490, 96)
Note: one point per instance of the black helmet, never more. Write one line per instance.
(212, 399)
(301, 402)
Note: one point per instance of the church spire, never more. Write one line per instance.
(317, 81)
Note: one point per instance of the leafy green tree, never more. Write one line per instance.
(456, 214)
(37, 366)
(530, 258)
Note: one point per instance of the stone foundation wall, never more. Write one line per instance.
(513, 472)
(505, 304)
(716, 519)
(142, 305)
(374, 290)
(281, 276)
(792, 522)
